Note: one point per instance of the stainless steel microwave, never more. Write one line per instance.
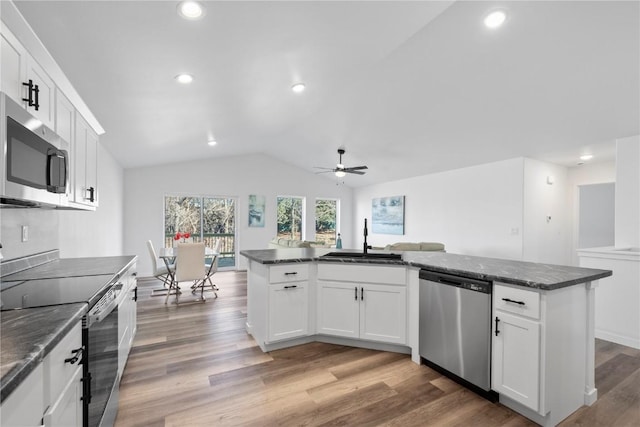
(35, 161)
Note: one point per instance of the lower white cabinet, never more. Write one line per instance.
(516, 358)
(127, 312)
(25, 405)
(52, 393)
(364, 311)
(67, 410)
(288, 310)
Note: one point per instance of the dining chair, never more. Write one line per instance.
(210, 269)
(189, 267)
(159, 272)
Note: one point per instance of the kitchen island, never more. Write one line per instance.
(542, 342)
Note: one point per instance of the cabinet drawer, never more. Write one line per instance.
(288, 273)
(518, 301)
(57, 371)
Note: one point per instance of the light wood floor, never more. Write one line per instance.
(194, 365)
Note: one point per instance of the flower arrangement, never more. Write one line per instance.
(182, 236)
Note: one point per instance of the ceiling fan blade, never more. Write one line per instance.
(355, 168)
(349, 170)
(327, 171)
(320, 167)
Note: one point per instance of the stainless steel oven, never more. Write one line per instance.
(35, 161)
(100, 340)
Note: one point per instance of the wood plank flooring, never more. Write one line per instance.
(194, 365)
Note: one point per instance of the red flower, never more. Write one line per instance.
(186, 235)
(178, 235)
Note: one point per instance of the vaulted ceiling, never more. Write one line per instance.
(408, 88)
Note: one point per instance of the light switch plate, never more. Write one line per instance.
(25, 233)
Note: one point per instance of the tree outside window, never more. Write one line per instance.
(326, 221)
(290, 217)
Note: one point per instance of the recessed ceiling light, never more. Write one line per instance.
(190, 9)
(298, 87)
(495, 19)
(184, 78)
(586, 157)
(212, 142)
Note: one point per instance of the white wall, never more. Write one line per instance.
(75, 233)
(99, 232)
(43, 231)
(586, 174)
(475, 210)
(236, 177)
(628, 192)
(546, 230)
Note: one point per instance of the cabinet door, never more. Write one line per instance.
(65, 118)
(13, 57)
(85, 163)
(25, 405)
(67, 410)
(46, 93)
(288, 311)
(339, 309)
(516, 359)
(383, 313)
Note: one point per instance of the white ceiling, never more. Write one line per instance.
(408, 88)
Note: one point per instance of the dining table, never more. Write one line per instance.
(168, 255)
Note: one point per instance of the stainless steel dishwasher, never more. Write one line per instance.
(455, 328)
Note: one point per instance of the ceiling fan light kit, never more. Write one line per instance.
(340, 170)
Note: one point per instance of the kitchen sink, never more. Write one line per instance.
(362, 255)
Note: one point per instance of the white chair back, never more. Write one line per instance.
(190, 262)
(154, 257)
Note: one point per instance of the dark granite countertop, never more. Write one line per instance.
(28, 335)
(68, 267)
(521, 273)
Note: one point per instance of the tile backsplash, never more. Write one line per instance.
(43, 231)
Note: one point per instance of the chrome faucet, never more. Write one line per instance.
(366, 247)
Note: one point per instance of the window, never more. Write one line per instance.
(290, 217)
(206, 219)
(326, 221)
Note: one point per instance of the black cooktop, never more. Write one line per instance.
(55, 291)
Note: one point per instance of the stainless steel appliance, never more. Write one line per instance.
(455, 328)
(102, 293)
(35, 161)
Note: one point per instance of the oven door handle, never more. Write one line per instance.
(102, 314)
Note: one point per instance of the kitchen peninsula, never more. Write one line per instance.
(542, 316)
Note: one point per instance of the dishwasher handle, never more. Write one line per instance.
(468, 283)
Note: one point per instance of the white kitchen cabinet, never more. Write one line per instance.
(542, 355)
(339, 309)
(365, 311)
(278, 303)
(85, 160)
(25, 405)
(363, 301)
(288, 310)
(65, 118)
(13, 59)
(127, 311)
(18, 67)
(67, 410)
(516, 358)
(52, 393)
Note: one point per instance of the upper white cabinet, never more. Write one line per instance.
(13, 57)
(85, 163)
(24, 80)
(65, 118)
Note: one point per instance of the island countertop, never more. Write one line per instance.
(528, 274)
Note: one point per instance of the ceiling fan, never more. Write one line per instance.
(340, 170)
